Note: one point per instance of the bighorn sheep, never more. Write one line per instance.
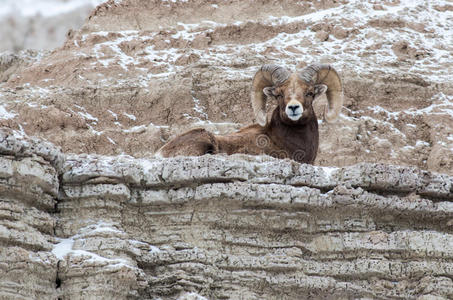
(292, 131)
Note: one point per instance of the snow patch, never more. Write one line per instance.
(111, 141)
(4, 114)
(132, 117)
(135, 129)
(119, 57)
(175, 1)
(84, 114)
(330, 170)
(63, 248)
(149, 165)
(158, 126)
(88, 116)
(390, 115)
(421, 144)
(154, 249)
(199, 108)
(113, 114)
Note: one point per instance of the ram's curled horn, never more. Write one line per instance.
(325, 74)
(267, 76)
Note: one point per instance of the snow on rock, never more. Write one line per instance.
(63, 248)
(4, 114)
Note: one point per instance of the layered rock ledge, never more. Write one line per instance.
(218, 227)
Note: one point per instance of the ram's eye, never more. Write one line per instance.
(278, 93)
(309, 94)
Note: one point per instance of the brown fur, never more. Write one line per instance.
(281, 137)
(195, 142)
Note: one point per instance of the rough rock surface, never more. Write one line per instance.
(218, 227)
(87, 213)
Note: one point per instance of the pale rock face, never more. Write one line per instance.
(218, 227)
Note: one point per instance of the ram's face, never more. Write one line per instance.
(295, 99)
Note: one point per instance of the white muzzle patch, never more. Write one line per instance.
(294, 110)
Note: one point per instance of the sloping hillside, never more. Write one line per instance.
(138, 72)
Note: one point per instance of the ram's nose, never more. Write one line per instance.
(293, 108)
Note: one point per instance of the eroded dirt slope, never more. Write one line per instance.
(139, 72)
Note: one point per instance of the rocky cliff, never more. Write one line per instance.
(86, 212)
(219, 227)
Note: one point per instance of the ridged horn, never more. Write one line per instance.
(326, 74)
(267, 75)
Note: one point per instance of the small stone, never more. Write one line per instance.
(322, 35)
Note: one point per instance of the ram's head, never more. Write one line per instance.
(296, 92)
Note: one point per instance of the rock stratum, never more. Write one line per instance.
(218, 227)
(86, 212)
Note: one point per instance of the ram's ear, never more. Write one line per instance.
(269, 91)
(319, 90)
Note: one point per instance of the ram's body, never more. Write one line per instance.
(292, 131)
(254, 139)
